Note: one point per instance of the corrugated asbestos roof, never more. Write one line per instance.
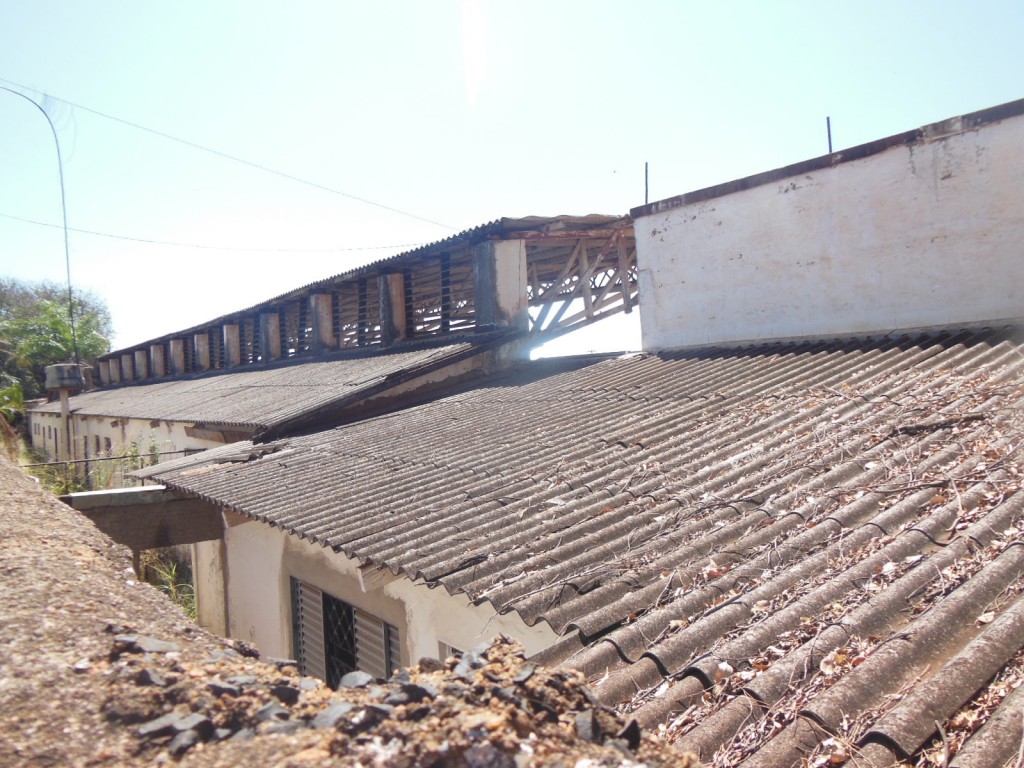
(507, 227)
(784, 553)
(262, 398)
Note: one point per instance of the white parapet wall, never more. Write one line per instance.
(921, 230)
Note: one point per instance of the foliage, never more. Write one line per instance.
(58, 478)
(12, 410)
(12, 399)
(162, 569)
(35, 330)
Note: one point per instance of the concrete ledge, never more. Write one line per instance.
(149, 517)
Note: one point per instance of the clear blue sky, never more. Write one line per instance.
(455, 112)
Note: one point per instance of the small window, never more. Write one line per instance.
(447, 650)
(333, 638)
(107, 447)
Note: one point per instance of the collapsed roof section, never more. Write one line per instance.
(533, 277)
(790, 532)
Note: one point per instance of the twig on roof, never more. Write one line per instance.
(930, 425)
(945, 744)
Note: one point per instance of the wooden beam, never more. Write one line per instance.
(391, 296)
(201, 345)
(553, 289)
(624, 273)
(232, 345)
(585, 283)
(538, 237)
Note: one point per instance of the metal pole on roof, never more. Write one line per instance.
(64, 213)
(645, 182)
(828, 128)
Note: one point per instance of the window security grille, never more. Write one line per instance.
(333, 638)
(339, 640)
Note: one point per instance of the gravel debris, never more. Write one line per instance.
(98, 669)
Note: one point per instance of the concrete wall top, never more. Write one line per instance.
(918, 231)
(933, 130)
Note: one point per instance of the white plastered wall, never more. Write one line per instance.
(262, 559)
(151, 438)
(920, 235)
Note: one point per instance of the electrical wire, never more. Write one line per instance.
(209, 247)
(226, 156)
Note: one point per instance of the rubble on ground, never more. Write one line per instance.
(98, 669)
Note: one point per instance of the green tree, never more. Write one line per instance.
(35, 331)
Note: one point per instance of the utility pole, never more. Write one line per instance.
(64, 213)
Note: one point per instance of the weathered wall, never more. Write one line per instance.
(261, 559)
(916, 235)
(91, 436)
(208, 579)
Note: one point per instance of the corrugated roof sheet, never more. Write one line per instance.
(262, 398)
(778, 553)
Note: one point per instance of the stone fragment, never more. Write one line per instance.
(82, 665)
(368, 717)
(150, 677)
(286, 694)
(272, 711)
(410, 693)
(282, 663)
(146, 644)
(469, 662)
(161, 726)
(357, 679)
(428, 665)
(142, 644)
(246, 649)
(183, 742)
(630, 733)
(197, 722)
(242, 680)
(587, 726)
(329, 717)
(176, 722)
(525, 673)
(224, 689)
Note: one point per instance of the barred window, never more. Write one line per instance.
(333, 638)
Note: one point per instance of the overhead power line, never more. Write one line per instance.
(210, 247)
(233, 158)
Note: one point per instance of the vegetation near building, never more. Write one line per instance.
(35, 331)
